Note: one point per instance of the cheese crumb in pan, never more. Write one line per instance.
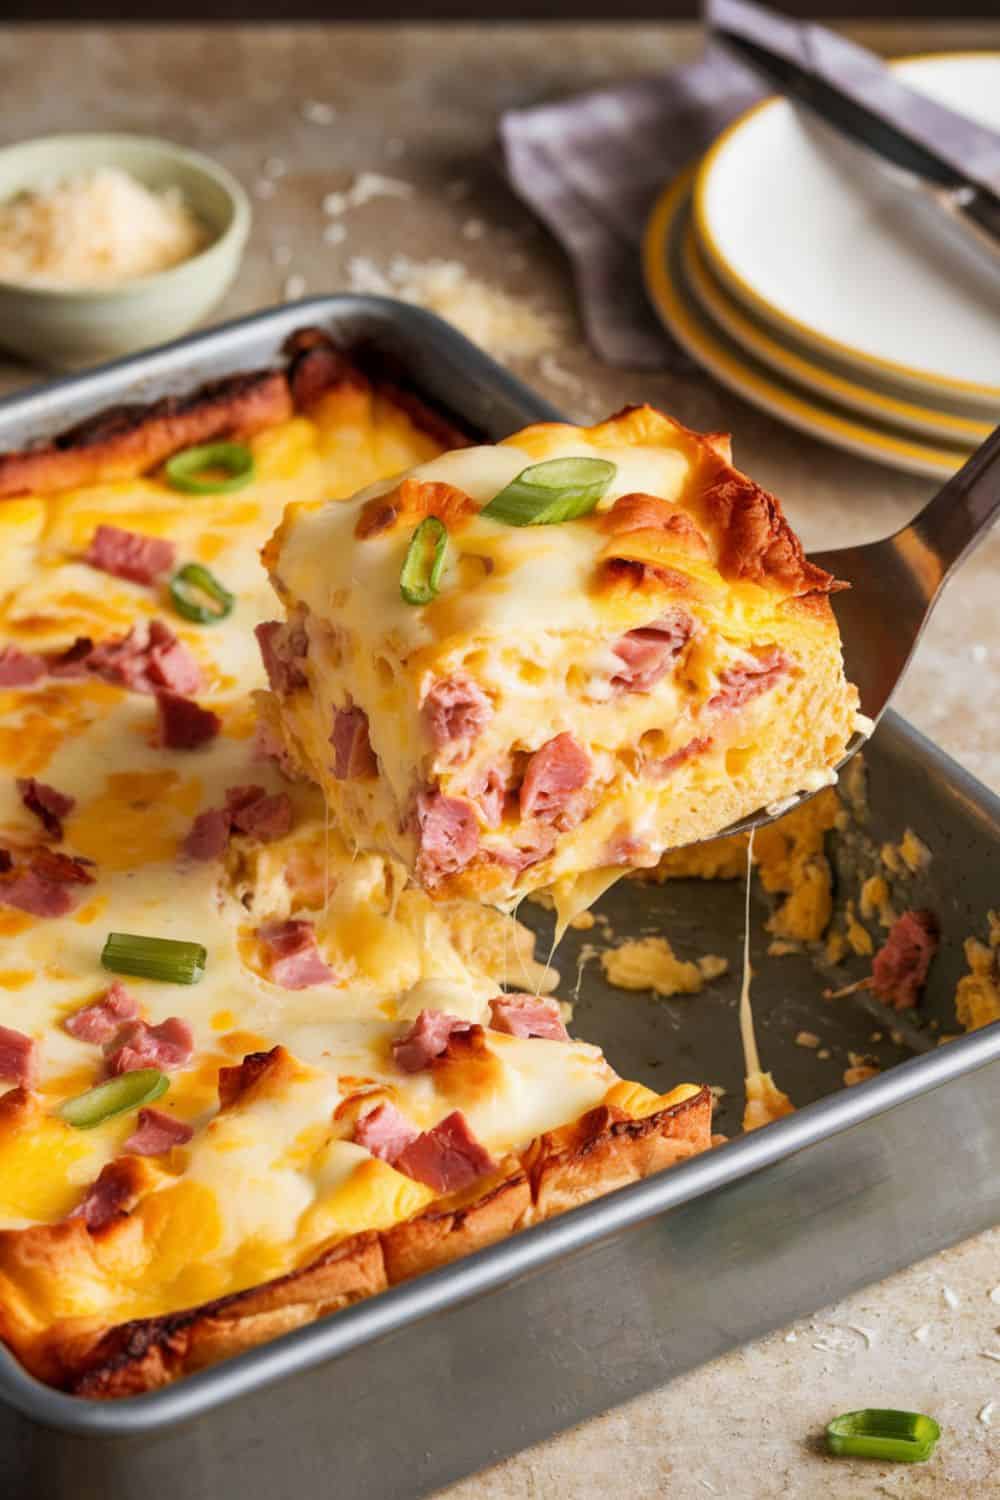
(651, 964)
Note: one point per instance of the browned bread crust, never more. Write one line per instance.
(604, 1150)
(126, 441)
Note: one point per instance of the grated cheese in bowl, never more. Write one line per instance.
(93, 230)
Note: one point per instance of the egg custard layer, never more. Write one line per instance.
(546, 703)
(363, 1083)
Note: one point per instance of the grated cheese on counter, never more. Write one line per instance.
(96, 229)
(504, 324)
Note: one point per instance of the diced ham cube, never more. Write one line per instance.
(426, 1039)
(490, 795)
(385, 1132)
(294, 959)
(27, 890)
(146, 660)
(48, 805)
(138, 1045)
(128, 554)
(899, 969)
(208, 835)
(102, 1020)
(738, 685)
(18, 1055)
(560, 768)
(455, 711)
(106, 1198)
(156, 1132)
(448, 835)
(648, 653)
(184, 724)
(353, 756)
(258, 815)
(20, 668)
(446, 1158)
(658, 769)
(282, 647)
(527, 1016)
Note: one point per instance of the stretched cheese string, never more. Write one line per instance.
(751, 1057)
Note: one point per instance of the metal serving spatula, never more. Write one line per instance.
(896, 583)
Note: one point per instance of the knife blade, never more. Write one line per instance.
(971, 205)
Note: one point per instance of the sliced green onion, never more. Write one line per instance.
(906, 1437)
(127, 1091)
(424, 560)
(190, 585)
(154, 958)
(545, 494)
(187, 470)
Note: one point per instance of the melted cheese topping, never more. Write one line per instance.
(261, 1185)
(522, 614)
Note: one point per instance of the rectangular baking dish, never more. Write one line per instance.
(436, 1378)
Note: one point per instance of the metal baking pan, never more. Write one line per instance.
(436, 1378)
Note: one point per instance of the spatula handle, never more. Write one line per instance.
(960, 514)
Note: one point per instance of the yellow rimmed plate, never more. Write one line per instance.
(818, 241)
(713, 348)
(870, 400)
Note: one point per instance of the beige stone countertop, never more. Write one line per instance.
(420, 105)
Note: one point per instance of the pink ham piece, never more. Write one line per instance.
(446, 1158)
(20, 668)
(448, 835)
(426, 1039)
(490, 795)
(138, 1045)
(528, 1015)
(738, 685)
(249, 810)
(184, 724)
(73, 661)
(900, 967)
(625, 848)
(128, 554)
(560, 768)
(147, 660)
(294, 959)
(106, 1198)
(102, 1020)
(648, 653)
(353, 756)
(48, 805)
(31, 892)
(455, 711)
(532, 845)
(282, 647)
(156, 1132)
(18, 1055)
(385, 1132)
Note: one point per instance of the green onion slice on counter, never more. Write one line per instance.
(193, 470)
(115, 1097)
(154, 958)
(559, 490)
(906, 1437)
(191, 586)
(424, 560)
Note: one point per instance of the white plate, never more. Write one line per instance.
(877, 399)
(821, 242)
(712, 347)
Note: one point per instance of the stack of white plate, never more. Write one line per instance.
(819, 285)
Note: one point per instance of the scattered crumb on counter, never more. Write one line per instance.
(994, 1295)
(950, 1297)
(295, 287)
(923, 1333)
(985, 1414)
(508, 326)
(651, 964)
(318, 113)
(365, 187)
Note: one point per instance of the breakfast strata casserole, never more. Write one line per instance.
(537, 664)
(248, 1075)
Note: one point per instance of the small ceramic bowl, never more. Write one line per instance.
(66, 329)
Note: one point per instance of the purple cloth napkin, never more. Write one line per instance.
(591, 167)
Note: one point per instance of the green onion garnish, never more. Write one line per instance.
(187, 470)
(906, 1437)
(154, 958)
(424, 560)
(559, 490)
(127, 1091)
(190, 586)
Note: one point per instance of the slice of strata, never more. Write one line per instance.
(577, 696)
